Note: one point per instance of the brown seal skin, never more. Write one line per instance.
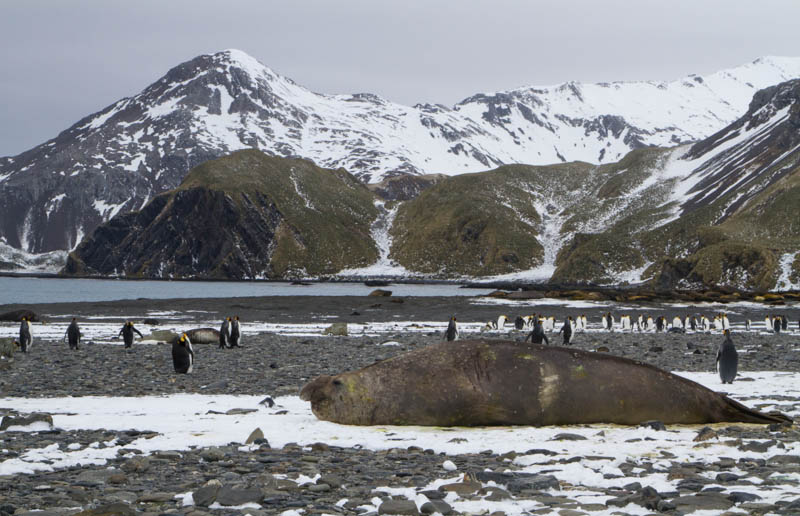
(480, 382)
(203, 336)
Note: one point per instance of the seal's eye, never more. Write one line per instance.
(337, 382)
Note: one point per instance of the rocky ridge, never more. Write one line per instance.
(116, 160)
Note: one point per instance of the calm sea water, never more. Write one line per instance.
(56, 290)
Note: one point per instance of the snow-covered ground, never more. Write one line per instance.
(608, 445)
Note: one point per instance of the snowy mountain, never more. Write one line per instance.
(115, 160)
(724, 212)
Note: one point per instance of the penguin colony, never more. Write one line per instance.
(641, 323)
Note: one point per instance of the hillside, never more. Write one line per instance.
(247, 215)
(118, 159)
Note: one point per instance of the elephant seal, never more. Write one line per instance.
(203, 335)
(480, 382)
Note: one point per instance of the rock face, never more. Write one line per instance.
(118, 159)
(723, 213)
(247, 215)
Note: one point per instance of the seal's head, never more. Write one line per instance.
(341, 398)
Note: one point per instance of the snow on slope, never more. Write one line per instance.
(230, 101)
(373, 137)
(214, 104)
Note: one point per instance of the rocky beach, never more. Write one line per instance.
(266, 466)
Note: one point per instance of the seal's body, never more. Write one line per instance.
(480, 382)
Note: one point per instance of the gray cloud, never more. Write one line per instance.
(60, 61)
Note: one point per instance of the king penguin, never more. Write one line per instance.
(519, 323)
(537, 334)
(127, 334)
(776, 324)
(451, 333)
(182, 354)
(236, 332)
(73, 334)
(567, 330)
(225, 333)
(25, 339)
(727, 359)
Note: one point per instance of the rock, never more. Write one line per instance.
(402, 507)
(755, 446)
(336, 329)
(155, 498)
(150, 321)
(517, 482)
(449, 465)
(727, 477)
(240, 411)
(702, 502)
(136, 465)
(206, 495)
(654, 424)
(332, 480)
(95, 477)
(229, 496)
(255, 434)
(25, 420)
(212, 454)
(740, 497)
(568, 437)
(434, 506)
(602, 349)
(112, 509)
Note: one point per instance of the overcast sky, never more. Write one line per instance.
(60, 61)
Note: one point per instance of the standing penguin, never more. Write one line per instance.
(567, 329)
(693, 323)
(776, 324)
(784, 323)
(73, 334)
(127, 332)
(25, 339)
(236, 332)
(451, 333)
(501, 322)
(519, 323)
(225, 333)
(727, 359)
(747, 324)
(537, 334)
(608, 321)
(661, 323)
(182, 354)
